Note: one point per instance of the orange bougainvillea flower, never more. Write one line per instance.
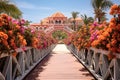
(114, 9)
(4, 16)
(106, 34)
(113, 20)
(10, 32)
(34, 42)
(3, 35)
(5, 43)
(95, 43)
(101, 37)
(17, 26)
(112, 25)
(1, 22)
(109, 30)
(24, 43)
(113, 42)
(108, 45)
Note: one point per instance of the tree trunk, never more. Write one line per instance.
(99, 20)
(74, 26)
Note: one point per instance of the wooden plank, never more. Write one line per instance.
(9, 70)
(60, 65)
(6, 66)
(1, 76)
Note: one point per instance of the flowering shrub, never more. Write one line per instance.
(4, 47)
(45, 40)
(109, 38)
(103, 36)
(95, 30)
(11, 36)
(14, 34)
(67, 41)
(80, 39)
(115, 9)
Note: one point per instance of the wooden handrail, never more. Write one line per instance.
(98, 63)
(17, 67)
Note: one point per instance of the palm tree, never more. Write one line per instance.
(91, 19)
(10, 9)
(74, 16)
(86, 19)
(99, 7)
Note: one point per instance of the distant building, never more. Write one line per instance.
(57, 21)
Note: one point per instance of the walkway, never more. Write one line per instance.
(59, 65)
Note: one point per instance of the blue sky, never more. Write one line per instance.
(36, 10)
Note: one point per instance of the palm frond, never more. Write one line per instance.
(75, 14)
(99, 7)
(96, 3)
(106, 4)
(14, 11)
(10, 9)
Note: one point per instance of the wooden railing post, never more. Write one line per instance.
(98, 63)
(17, 67)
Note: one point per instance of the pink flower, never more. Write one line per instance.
(94, 36)
(24, 48)
(9, 18)
(22, 21)
(22, 30)
(15, 21)
(95, 24)
(32, 31)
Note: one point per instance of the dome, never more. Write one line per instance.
(58, 14)
(77, 19)
(45, 20)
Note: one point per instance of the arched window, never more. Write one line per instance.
(56, 22)
(59, 21)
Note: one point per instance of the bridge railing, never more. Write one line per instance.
(49, 29)
(17, 67)
(98, 62)
(68, 29)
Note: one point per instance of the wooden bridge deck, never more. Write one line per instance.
(59, 65)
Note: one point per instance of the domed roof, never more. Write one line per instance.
(77, 19)
(45, 21)
(58, 14)
(34, 24)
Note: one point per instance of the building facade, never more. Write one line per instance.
(56, 21)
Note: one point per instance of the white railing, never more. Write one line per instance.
(16, 68)
(98, 63)
(49, 29)
(68, 29)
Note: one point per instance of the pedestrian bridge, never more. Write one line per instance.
(60, 64)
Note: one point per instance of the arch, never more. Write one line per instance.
(50, 33)
(59, 21)
(56, 21)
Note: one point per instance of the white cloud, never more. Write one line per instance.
(26, 5)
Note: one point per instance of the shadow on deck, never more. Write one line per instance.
(59, 65)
